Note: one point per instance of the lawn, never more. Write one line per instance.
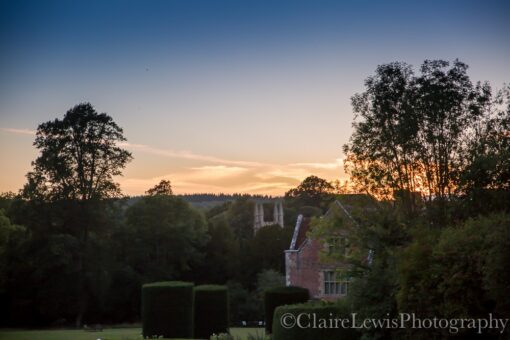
(106, 334)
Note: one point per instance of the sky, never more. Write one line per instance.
(224, 96)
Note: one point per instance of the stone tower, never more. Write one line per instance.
(259, 215)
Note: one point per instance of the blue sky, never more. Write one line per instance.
(229, 96)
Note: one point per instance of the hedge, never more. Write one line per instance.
(311, 322)
(167, 309)
(211, 310)
(279, 296)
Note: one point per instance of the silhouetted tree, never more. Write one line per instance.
(486, 176)
(166, 236)
(162, 188)
(79, 156)
(313, 191)
(412, 129)
(240, 218)
(72, 176)
(221, 253)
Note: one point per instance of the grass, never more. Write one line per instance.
(106, 334)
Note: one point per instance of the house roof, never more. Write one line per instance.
(348, 203)
(299, 236)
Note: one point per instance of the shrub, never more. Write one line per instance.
(167, 309)
(279, 296)
(211, 310)
(314, 311)
(222, 336)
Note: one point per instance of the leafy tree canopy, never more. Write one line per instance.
(79, 156)
(313, 191)
(162, 188)
(410, 129)
(166, 235)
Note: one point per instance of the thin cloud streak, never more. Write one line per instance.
(272, 180)
(216, 174)
(333, 165)
(186, 155)
(19, 131)
(220, 175)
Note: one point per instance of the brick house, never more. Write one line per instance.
(303, 266)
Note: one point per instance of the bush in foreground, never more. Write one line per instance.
(167, 309)
(211, 310)
(279, 296)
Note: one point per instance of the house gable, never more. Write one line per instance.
(303, 265)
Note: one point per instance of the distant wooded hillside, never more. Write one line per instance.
(207, 200)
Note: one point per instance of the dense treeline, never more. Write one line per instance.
(215, 198)
(432, 147)
(206, 201)
(74, 251)
(435, 149)
(220, 197)
(160, 237)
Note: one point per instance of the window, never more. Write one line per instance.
(334, 286)
(338, 244)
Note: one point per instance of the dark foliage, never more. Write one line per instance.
(280, 296)
(211, 314)
(313, 191)
(167, 309)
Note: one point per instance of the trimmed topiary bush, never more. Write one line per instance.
(211, 310)
(279, 296)
(311, 325)
(167, 309)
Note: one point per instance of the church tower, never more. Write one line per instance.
(258, 221)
